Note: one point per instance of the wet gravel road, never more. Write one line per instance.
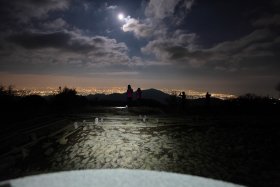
(235, 153)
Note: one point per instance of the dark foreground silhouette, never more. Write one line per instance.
(234, 140)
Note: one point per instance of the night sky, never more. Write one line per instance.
(217, 46)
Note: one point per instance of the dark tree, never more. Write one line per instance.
(6, 91)
(2, 90)
(68, 98)
(278, 88)
(68, 92)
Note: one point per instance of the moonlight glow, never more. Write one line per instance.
(121, 16)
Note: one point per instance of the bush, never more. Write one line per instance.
(68, 98)
(6, 91)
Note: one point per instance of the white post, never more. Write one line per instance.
(96, 121)
(144, 118)
(75, 125)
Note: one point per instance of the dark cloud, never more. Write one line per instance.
(20, 14)
(24, 10)
(254, 38)
(65, 40)
(228, 55)
(273, 20)
(37, 40)
(171, 47)
(68, 48)
(57, 24)
(41, 40)
(160, 9)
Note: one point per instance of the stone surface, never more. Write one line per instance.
(118, 147)
(129, 143)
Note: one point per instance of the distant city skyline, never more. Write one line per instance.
(217, 46)
(38, 82)
(47, 91)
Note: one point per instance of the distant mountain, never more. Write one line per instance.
(155, 95)
(146, 94)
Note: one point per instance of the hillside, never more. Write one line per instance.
(153, 94)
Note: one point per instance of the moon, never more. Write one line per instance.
(121, 16)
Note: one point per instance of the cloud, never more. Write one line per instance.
(156, 11)
(57, 24)
(36, 42)
(65, 40)
(255, 37)
(68, 50)
(24, 10)
(139, 29)
(86, 6)
(268, 21)
(41, 40)
(160, 9)
(112, 7)
(171, 47)
(181, 49)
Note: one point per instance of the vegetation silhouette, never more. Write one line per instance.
(68, 101)
(242, 126)
(278, 88)
(8, 101)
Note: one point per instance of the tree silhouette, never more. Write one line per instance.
(9, 91)
(278, 88)
(67, 98)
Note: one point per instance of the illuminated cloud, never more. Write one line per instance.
(159, 9)
(139, 29)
